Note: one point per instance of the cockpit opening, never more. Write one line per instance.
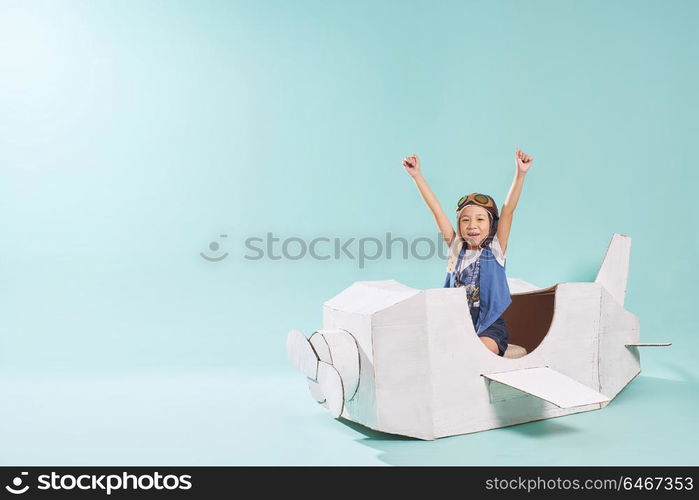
(529, 317)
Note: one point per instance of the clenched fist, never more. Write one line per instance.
(523, 161)
(412, 165)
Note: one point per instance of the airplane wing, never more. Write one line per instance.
(549, 385)
(649, 344)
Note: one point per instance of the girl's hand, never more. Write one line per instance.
(523, 161)
(412, 165)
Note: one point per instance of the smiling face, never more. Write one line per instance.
(474, 224)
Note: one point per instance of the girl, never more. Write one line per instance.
(477, 249)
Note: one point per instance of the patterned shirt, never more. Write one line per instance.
(470, 279)
(468, 275)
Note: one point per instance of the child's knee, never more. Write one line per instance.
(490, 344)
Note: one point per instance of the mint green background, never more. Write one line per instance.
(132, 134)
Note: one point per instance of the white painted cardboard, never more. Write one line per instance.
(424, 373)
(549, 385)
(330, 384)
(316, 391)
(613, 273)
(345, 358)
(301, 354)
(650, 344)
(517, 285)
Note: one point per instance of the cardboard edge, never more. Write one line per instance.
(599, 278)
(594, 406)
(625, 386)
(485, 375)
(650, 344)
(331, 385)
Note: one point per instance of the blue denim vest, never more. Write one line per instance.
(494, 292)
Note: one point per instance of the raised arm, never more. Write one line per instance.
(522, 163)
(412, 166)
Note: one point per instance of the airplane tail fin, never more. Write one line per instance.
(614, 271)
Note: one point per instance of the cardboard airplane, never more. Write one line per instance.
(407, 361)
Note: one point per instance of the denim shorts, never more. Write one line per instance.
(497, 331)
